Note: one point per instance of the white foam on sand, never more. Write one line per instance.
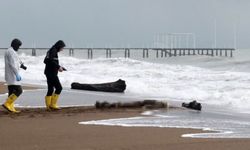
(219, 126)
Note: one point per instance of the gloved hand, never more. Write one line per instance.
(64, 69)
(61, 69)
(18, 77)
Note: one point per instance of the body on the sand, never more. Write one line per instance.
(12, 76)
(52, 68)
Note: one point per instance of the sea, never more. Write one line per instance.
(220, 84)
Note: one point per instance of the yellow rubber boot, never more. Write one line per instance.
(54, 100)
(48, 102)
(9, 104)
(14, 109)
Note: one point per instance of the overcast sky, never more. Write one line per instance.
(121, 22)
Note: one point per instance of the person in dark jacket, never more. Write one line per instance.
(51, 71)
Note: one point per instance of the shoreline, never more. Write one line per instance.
(36, 128)
(62, 131)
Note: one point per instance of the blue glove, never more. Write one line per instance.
(18, 77)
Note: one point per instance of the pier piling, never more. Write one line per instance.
(108, 53)
(90, 53)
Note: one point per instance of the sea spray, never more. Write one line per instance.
(229, 89)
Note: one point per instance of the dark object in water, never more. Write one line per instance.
(192, 105)
(147, 104)
(117, 86)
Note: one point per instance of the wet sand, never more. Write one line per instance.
(37, 129)
(4, 88)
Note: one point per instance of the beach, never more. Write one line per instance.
(35, 128)
(125, 75)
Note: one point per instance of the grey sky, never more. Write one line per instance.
(122, 22)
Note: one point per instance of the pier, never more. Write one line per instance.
(145, 52)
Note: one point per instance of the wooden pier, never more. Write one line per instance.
(159, 52)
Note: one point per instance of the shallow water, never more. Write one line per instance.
(224, 125)
(35, 98)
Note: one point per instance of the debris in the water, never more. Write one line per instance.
(192, 105)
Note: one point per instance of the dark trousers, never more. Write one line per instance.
(53, 82)
(15, 89)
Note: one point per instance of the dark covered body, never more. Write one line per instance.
(147, 104)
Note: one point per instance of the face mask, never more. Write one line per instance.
(16, 48)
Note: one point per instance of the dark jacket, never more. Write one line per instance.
(51, 60)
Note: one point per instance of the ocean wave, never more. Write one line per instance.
(151, 80)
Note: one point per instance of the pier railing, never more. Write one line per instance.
(159, 52)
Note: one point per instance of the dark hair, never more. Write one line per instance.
(15, 44)
(59, 44)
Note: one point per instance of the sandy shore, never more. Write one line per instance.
(37, 129)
